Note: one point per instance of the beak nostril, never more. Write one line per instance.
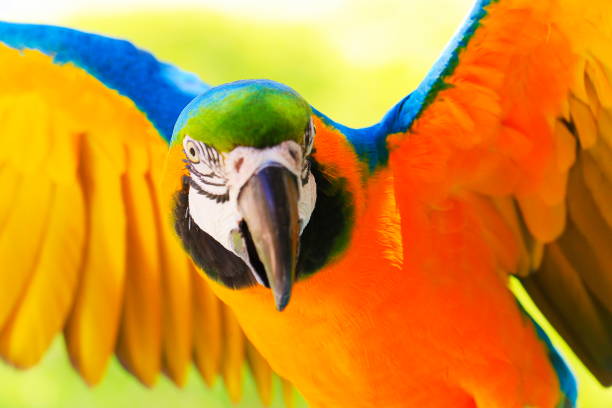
(238, 164)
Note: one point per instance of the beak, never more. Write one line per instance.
(268, 203)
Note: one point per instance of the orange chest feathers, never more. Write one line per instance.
(400, 320)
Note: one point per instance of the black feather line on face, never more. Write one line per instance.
(194, 173)
(192, 170)
(210, 183)
(220, 198)
(306, 171)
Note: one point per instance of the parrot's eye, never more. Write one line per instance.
(206, 170)
(192, 152)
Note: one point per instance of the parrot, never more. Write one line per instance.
(163, 220)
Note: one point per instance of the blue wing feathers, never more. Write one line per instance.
(402, 115)
(370, 149)
(370, 142)
(160, 90)
(567, 380)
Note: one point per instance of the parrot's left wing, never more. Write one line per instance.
(86, 244)
(513, 129)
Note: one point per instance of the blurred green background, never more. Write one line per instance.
(351, 60)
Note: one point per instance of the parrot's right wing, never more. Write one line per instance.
(86, 245)
(510, 138)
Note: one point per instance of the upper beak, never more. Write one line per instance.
(268, 203)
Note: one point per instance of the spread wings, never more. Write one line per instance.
(516, 121)
(85, 247)
(516, 117)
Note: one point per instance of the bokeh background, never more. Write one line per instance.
(352, 59)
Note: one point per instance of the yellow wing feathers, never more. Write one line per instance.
(85, 240)
(573, 286)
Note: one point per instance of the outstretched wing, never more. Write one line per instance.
(515, 123)
(85, 246)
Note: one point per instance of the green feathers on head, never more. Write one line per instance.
(255, 113)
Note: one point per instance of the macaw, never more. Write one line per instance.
(368, 267)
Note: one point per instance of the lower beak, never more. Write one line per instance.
(268, 203)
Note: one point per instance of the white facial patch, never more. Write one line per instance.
(217, 178)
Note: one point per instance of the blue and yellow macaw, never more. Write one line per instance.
(368, 267)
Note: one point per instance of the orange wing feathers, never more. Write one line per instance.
(526, 108)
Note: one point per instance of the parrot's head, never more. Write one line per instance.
(249, 192)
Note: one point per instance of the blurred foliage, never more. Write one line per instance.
(352, 64)
(353, 80)
(54, 384)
